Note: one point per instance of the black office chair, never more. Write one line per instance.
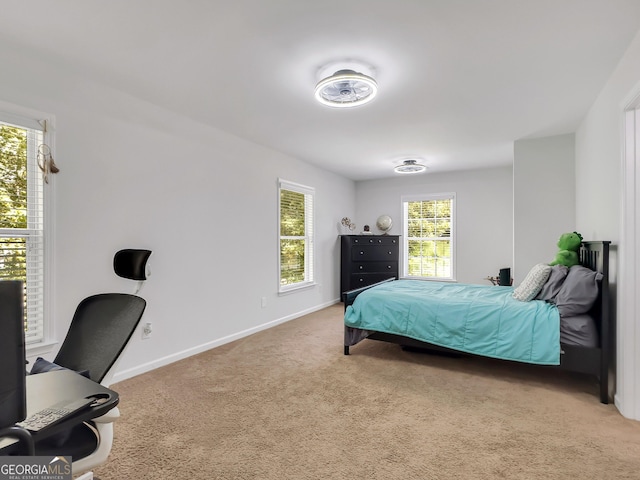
(100, 330)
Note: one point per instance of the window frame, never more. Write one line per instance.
(22, 117)
(309, 236)
(405, 236)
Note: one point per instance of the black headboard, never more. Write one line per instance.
(595, 255)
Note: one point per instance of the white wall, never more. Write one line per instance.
(135, 175)
(484, 214)
(599, 151)
(599, 193)
(544, 202)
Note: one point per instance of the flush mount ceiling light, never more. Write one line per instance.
(346, 88)
(410, 166)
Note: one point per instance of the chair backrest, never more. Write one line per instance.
(101, 328)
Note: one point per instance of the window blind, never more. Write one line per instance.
(428, 236)
(296, 254)
(22, 239)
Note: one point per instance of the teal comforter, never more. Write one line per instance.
(478, 319)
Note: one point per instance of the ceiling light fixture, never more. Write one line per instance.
(410, 166)
(346, 88)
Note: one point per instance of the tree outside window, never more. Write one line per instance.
(21, 220)
(13, 201)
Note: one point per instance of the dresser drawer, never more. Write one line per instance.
(373, 253)
(374, 267)
(364, 279)
(375, 240)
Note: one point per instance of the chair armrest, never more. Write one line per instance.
(109, 417)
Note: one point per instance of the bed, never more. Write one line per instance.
(566, 325)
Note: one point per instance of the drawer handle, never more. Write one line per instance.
(361, 253)
(389, 267)
(360, 267)
(389, 253)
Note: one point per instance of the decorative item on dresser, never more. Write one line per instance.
(367, 259)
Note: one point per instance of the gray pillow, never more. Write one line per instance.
(41, 366)
(579, 330)
(552, 286)
(578, 291)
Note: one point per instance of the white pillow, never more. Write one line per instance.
(532, 283)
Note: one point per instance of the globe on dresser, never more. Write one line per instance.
(384, 223)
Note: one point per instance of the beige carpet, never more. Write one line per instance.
(287, 404)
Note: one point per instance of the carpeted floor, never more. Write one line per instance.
(287, 404)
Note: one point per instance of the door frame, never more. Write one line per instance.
(627, 398)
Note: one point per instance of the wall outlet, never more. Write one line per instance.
(263, 302)
(146, 330)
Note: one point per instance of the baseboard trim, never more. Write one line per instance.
(147, 367)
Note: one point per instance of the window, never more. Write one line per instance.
(22, 219)
(429, 236)
(295, 204)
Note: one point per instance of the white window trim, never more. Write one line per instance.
(306, 190)
(405, 234)
(30, 118)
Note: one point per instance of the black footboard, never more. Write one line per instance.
(350, 296)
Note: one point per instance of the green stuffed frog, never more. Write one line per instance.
(569, 244)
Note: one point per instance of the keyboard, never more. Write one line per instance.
(54, 414)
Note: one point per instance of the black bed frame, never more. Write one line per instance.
(587, 360)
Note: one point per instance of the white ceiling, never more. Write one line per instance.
(459, 80)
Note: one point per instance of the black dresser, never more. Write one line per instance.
(367, 259)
